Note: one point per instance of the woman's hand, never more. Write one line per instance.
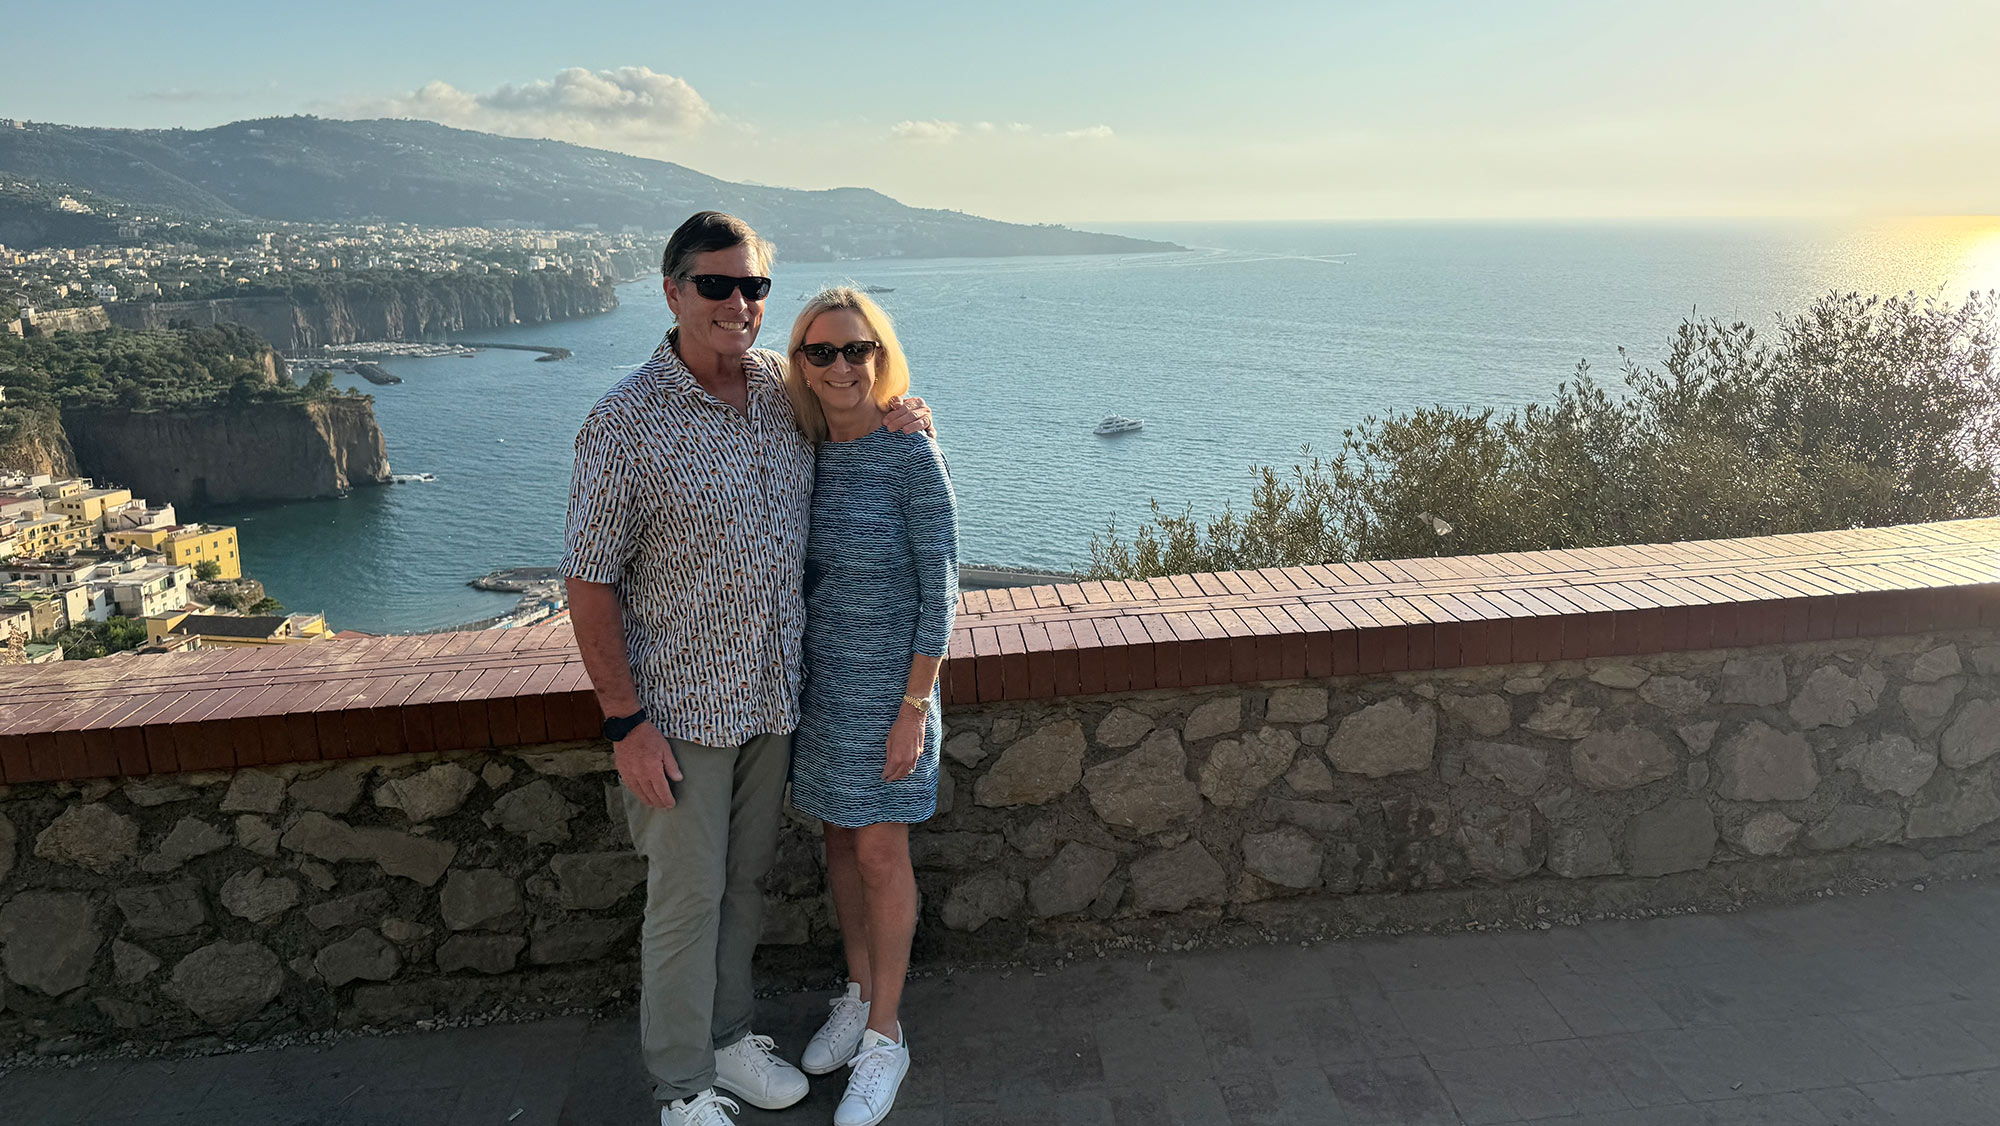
(908, 415)
(906, 743)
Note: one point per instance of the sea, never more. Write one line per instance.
(1258, 342)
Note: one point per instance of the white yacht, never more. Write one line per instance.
(1118, 424)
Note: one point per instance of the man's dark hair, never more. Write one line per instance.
(711, 230)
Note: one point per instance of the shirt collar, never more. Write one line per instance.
(675, 378)
(673, 375)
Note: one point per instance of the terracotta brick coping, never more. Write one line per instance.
(222, 709)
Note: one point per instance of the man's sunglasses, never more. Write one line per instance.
(716, 287)
(821, 355)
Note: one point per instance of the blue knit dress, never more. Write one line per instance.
(881, 583)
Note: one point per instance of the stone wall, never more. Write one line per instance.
(393, 889)
(83, 318)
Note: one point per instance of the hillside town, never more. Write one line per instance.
(74, 553)
(136, 255)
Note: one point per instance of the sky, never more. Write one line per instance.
(1077, 112)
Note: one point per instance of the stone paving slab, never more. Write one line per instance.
(1881, 1010)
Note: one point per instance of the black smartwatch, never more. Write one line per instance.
(618, 726)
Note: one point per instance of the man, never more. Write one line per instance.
(685, 547)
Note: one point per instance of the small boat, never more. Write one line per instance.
(1118, 424)
(411, 478)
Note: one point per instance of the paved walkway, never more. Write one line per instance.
(1882, 1009)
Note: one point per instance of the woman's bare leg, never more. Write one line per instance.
(882, 855)
(850, 901)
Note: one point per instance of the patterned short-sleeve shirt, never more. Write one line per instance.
(697, 514)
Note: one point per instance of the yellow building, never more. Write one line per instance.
(186, 545)
(89, 505)
(228, 631)
(48, 533)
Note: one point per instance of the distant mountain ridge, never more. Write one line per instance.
(310, 169)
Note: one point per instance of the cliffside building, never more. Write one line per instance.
(16, 624)
(71, 552)
(16, 644)
(229, 631)
(54, 573)
(66, 592)
(188, 545)
(92, 505)
(149, 591)
(47, 533)
(139, 516)
(47, 610)
(43, 515)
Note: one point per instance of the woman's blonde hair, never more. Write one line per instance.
(892, 371)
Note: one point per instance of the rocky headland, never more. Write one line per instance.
(227, 454)
(430, 308)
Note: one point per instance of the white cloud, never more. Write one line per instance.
(925, 132)
(577, 104)
(1093, 133)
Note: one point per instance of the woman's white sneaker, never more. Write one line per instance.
(704, 1109)
(879, 1068)
(752, 1071)
(839, 1038)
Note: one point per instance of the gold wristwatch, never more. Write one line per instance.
(923, 705)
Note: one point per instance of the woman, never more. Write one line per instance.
(881, 583)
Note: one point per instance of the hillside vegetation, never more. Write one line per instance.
(1860, 411)
(140, 370)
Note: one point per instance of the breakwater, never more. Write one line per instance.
(547, 353)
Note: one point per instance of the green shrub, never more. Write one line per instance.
(1859, 412)
(86, 641)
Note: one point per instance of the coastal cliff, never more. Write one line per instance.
(36, 444)
(226, 454)
(315, 314)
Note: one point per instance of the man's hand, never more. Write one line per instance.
(906, 742)
(908, 415)
(645, 764)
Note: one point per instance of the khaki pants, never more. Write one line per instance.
(706, 859)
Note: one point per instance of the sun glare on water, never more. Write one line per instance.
(1962, 249)
(1979, 264)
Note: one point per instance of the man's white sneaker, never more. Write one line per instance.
(840, 1037)
(751, 1071)
(879, 1068)
(704, 1109)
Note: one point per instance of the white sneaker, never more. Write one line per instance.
(750, 1070)
(704, 1109)
(878, 1071)
(840, 1037)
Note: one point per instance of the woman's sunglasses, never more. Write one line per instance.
(821, 355)
(716, 287)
